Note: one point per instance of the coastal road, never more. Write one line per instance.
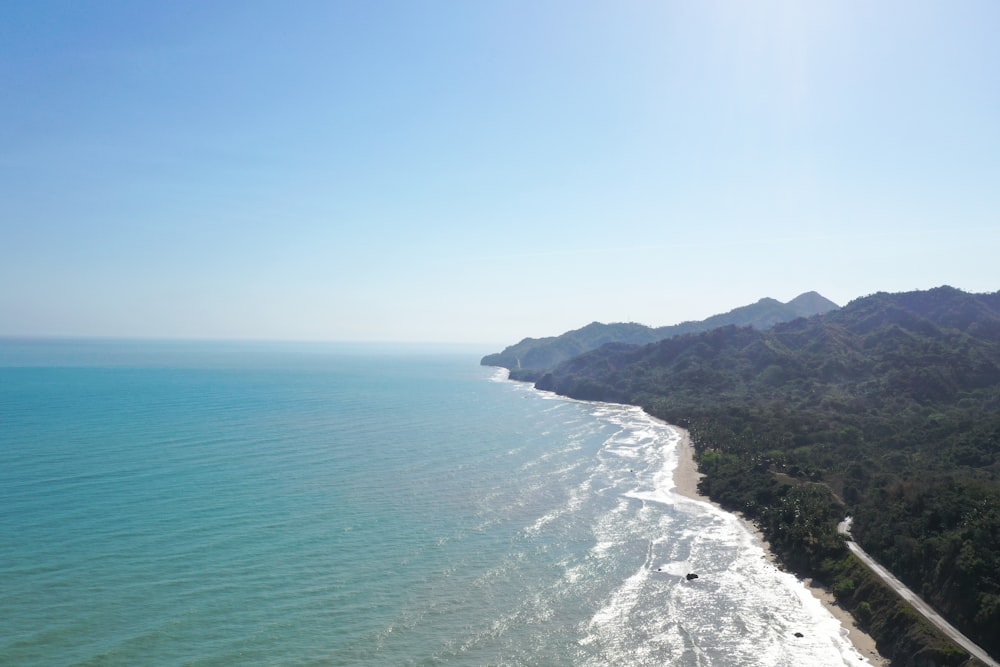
(844, 528)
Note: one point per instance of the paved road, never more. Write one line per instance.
(844, 528)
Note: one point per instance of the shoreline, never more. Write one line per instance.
(686, 477)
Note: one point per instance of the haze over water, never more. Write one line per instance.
(261, 504)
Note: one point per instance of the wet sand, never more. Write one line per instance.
(686, 477)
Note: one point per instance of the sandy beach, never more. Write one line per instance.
(686, 477)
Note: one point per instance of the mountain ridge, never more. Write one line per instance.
(527, 358)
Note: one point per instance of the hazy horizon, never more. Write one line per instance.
(485, 172)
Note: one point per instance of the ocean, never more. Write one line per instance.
(209, 503)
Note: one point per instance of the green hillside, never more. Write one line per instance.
(887, 409)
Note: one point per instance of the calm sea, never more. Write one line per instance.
(294, 504)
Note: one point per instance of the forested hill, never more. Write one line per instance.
(531, 355)
(888, 409)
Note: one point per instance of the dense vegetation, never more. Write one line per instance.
(528, 358)
(887, 409)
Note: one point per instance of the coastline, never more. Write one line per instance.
(686, 477)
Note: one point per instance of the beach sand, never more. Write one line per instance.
(686, 478)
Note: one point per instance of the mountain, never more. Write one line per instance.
(531, 355)
(887, 409)
(853, 347)
(811, 303)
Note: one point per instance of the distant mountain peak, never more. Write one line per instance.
(537, 354)
(812, 303)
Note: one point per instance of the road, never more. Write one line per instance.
(844, 528)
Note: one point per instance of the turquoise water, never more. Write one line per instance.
(283, 504)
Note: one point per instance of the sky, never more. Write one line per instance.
(458, 171)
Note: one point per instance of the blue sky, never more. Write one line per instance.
(485, 171)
